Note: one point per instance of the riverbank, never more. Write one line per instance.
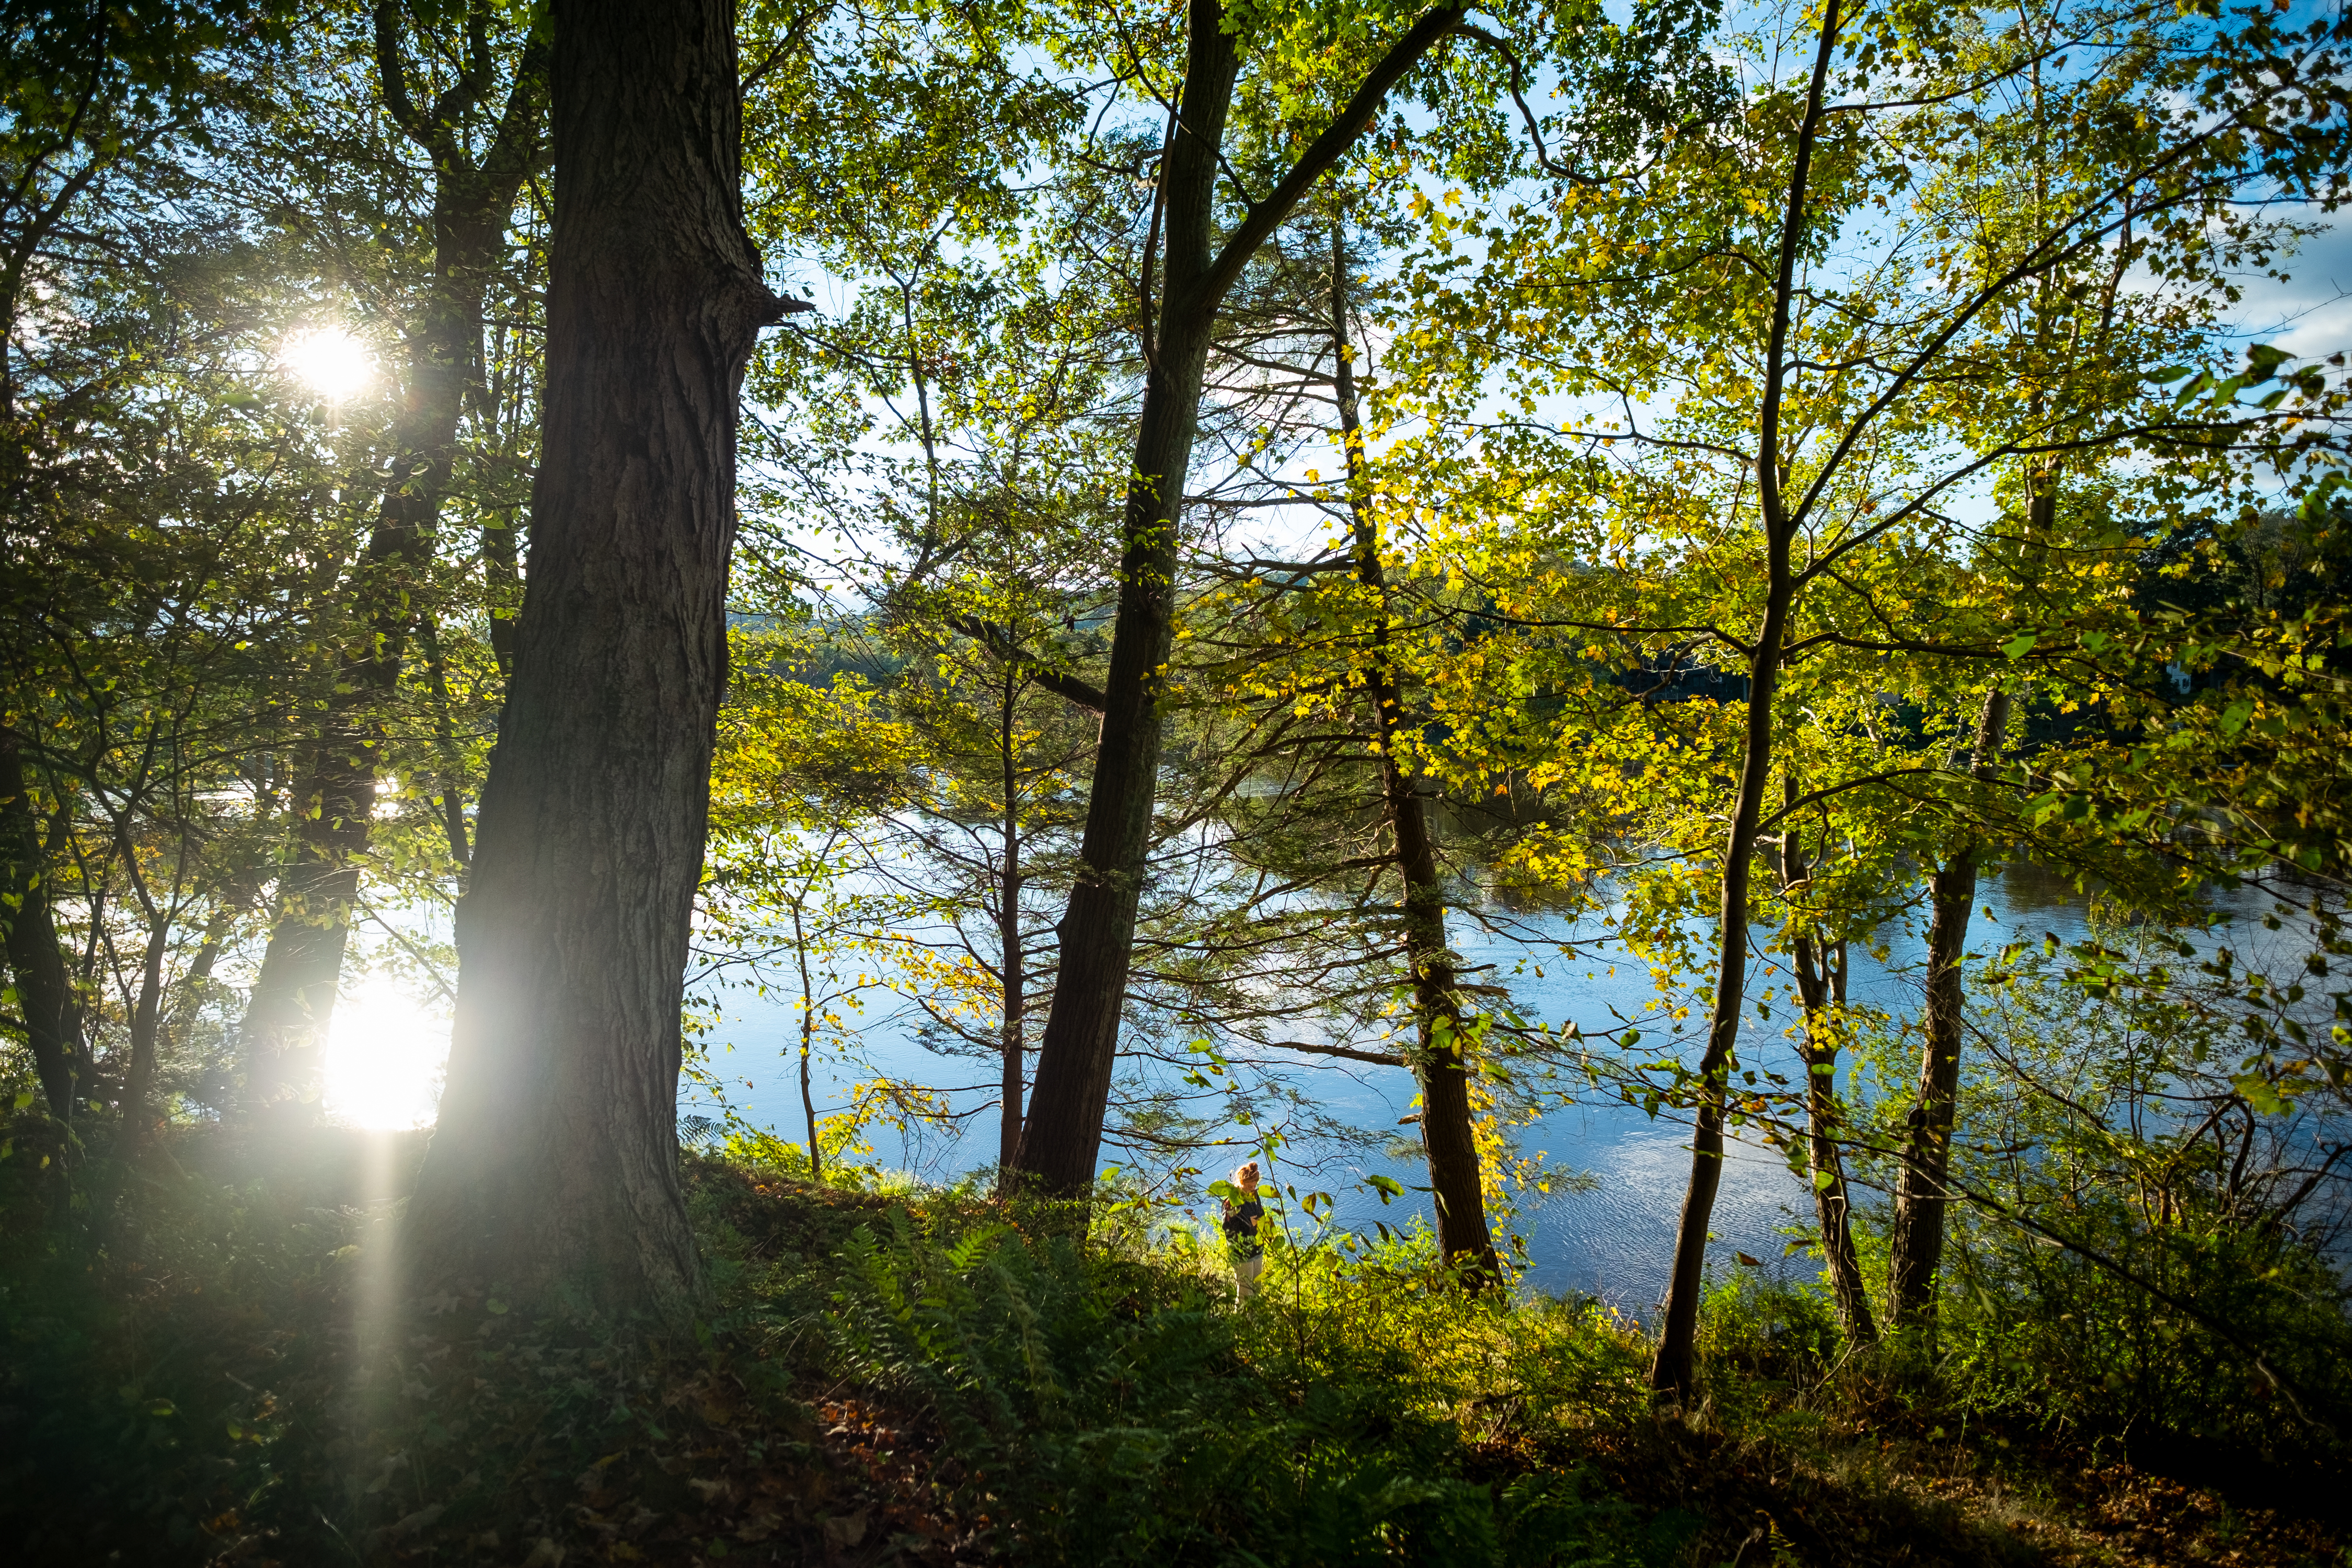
(219, 1370)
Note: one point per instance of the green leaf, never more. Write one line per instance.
(2261, 1094)
(2314, 505)
(2021, 645)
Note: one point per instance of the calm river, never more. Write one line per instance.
(1610, 1240)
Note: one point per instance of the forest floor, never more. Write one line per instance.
(217, 1373)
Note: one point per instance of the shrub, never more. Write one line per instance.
(2045, 1334)
(1110, 1405)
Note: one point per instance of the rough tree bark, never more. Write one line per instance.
(293, 997)
(45, 994)
(1062, 1134)
(1672, 1374)
(1438, 1060)
(554, 1167)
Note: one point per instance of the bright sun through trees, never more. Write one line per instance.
(1176, 782)
(329, 361)
(385, 1052)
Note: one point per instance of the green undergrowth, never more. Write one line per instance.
(1111, 1405)
(211, 1363)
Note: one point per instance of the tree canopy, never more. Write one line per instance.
(1138, 549)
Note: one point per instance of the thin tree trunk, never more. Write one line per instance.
(501, 566)
(1820, 986)
(1439, 1061)
(808, 1038)
(233, 899)
(1674, 1373)
(45, 994)
(1011, 969)
(451, 785)
(808, 1111)
(1063, 1132)
(555, 1164)
(1917, 1245)
(1916, 1248)
(293, 999)
(146, 1014)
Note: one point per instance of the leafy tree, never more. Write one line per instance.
(1839, 380)
(1198, 270)
(98, 106)
(800, 769)
(473, 107)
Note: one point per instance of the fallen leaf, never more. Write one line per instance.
(421, 1520)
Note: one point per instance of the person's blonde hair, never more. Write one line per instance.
(1246, 1174)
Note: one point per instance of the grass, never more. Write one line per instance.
(207, 1369)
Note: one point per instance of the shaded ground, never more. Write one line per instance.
(214, 1375)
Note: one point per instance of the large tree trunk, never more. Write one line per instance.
(555, 1164)
(1674, 1373)
(45, 994)
(293, 999)
(1916, 1248)
(1063, 1132)
(1439, 1061)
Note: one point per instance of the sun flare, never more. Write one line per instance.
(385, 1053)
(328, 361)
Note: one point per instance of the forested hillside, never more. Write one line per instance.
(1123, 593)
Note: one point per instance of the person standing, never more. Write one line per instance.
(1242, 1216)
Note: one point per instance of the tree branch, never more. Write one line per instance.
(1059, 682)
(1263, 217)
